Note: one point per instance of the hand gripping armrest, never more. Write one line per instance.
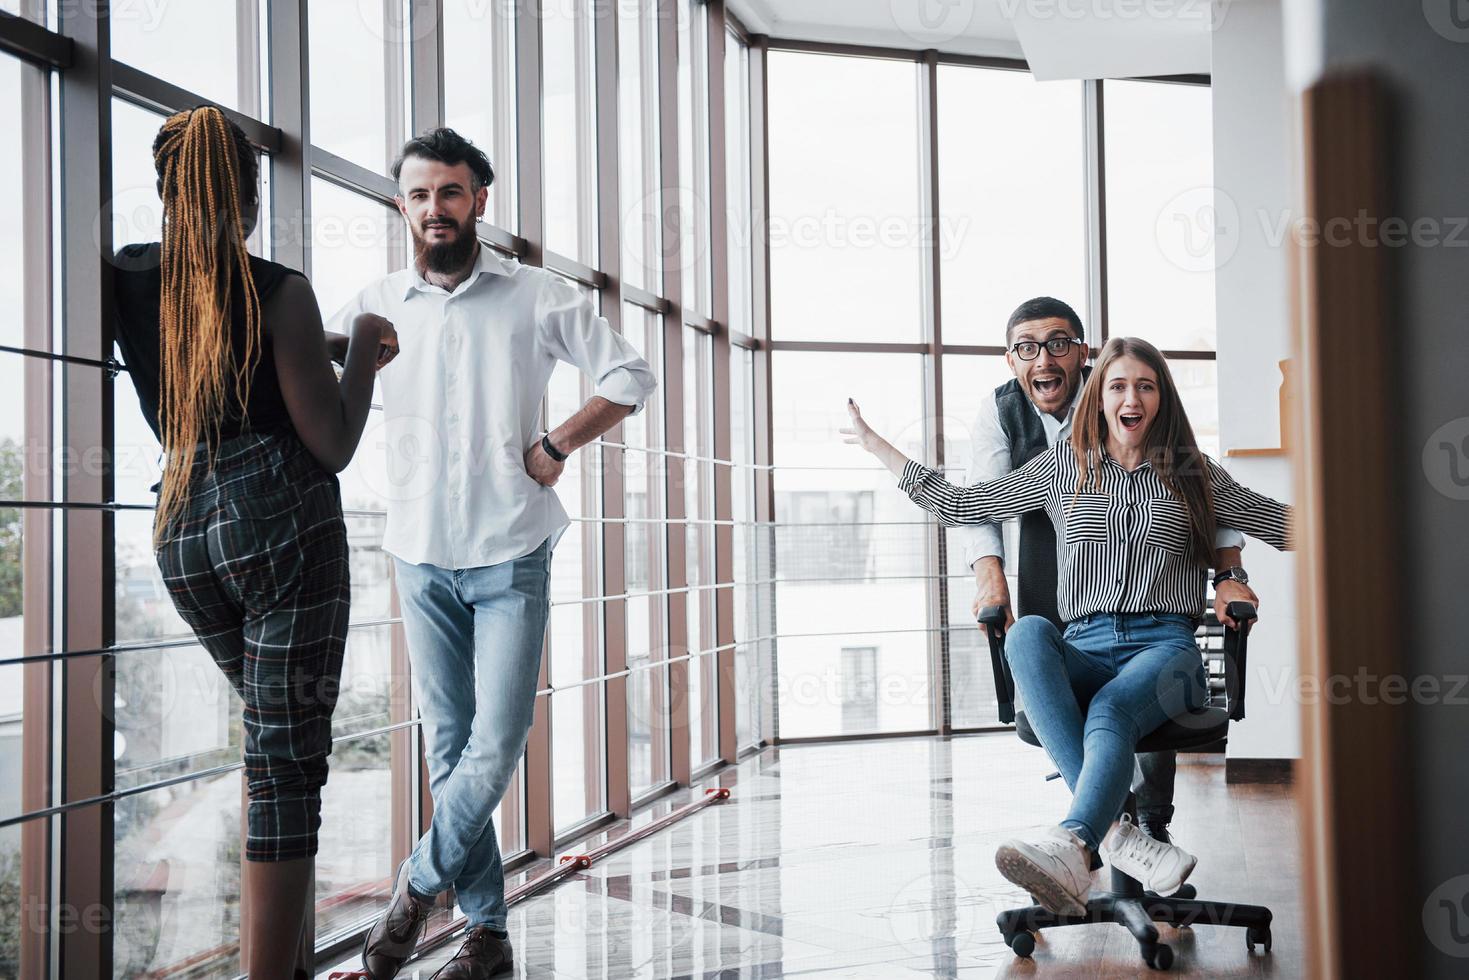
(1236, 649)
(992, 618)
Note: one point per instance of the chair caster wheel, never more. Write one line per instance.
(1158, 956)
(1257, 934)
(1021, 943)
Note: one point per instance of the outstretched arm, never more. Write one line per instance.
(1010, 496)
(1253, 513)
(861, 434)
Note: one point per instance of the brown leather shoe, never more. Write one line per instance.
(482, 955)
(391, 939)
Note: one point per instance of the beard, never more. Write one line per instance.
(445, 257)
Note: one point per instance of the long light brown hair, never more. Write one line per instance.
(206, 177)
(1170, 446)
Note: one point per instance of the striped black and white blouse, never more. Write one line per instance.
(1127, 548)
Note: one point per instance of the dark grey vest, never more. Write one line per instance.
(1027, 435)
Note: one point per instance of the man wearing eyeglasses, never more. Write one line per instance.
(1047, 353)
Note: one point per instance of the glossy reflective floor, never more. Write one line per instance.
(876, 859)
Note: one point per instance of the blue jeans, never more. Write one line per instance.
(474, 638)
(1091, 694)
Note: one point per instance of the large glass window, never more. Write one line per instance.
(33, 10)
(143, 609)
(698, 478)
(357, 854)
(693, 155)
(576, 646)
(569, 119)
(478, 38)
(178, 846)
(26, 573)
(358, 58)
(754, 594)
(646, 567)
(637, 85)
(968, 380)
(354, 241)
(845, 225)
(1198, 386)
(212, 49)
(1162, 213)
(177, 881)
(137, 212)
(851, 558)
(13, 208)
(1012, 203)
(739, 230)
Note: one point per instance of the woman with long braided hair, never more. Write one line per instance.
(233, 370)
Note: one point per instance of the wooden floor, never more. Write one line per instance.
(1245, 836)
(875, 859)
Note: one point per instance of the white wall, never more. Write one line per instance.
(1254, 185)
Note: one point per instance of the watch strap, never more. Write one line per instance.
(551, 450)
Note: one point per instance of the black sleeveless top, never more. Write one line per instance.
(137, 288)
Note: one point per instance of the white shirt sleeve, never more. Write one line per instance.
(341, 321)
(989, 459)
(1227, 537)
(572, 331)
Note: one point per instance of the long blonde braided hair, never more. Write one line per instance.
(204, 162)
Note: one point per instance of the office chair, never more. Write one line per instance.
(1127, 903)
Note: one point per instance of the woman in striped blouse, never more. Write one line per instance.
(1135, 505)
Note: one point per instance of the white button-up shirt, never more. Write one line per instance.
(989, 459)
(462, 401)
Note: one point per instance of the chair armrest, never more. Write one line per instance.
(992, 618)
(1236, 650)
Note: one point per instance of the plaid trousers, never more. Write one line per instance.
(257, 565)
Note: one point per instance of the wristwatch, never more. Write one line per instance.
(1236, 573)
(551, 450)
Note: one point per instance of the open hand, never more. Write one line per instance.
(859, 432)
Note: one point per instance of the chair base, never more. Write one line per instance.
(1138, 913)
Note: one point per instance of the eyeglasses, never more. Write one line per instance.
(1029, 350)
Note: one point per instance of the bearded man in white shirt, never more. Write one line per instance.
(473, 519)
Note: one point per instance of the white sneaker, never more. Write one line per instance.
(1055, 869)
(1162, 868)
